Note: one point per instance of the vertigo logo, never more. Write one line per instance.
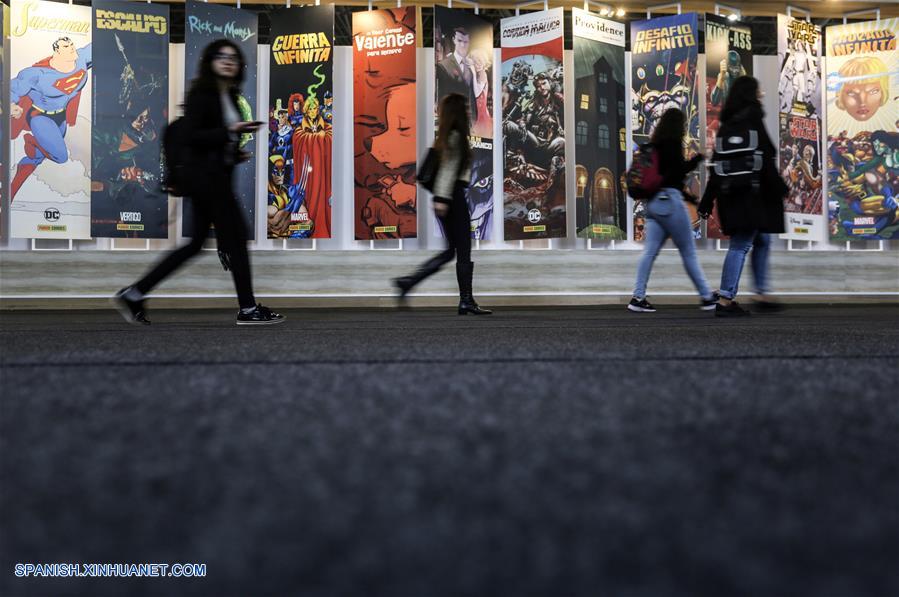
(51, 214)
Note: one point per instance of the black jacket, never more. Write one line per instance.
(762, 211)
(213, 148)
(672, 165)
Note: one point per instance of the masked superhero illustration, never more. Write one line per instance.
(731, 70)
(480, 194)
(287, 213)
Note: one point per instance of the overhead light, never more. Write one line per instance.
(603, 12)
(733, 17)
(621, 12)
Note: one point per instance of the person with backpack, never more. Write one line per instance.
(657, 176)
(208, 138)
(446, 173)
(749, 193)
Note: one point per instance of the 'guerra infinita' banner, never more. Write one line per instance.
(384, 108)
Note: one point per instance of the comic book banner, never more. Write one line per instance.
(4, 121)
(384, 106)
(664, 52)
(862, 123)
(50, 128)
(599, 133)
(300, 120)
(728, 56)
(131, 97)
(533, 114)
(799, 153)
(463, 55)
(205, 23)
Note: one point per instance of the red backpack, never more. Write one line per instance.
(644, 178)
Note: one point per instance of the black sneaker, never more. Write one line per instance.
(710, 304)
(259, 316)
(641, 306)
(731, 310)
(132, 311)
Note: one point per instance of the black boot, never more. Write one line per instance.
(406, 283)
(467, 304)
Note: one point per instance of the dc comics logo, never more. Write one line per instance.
(51, 214)
(534, 216)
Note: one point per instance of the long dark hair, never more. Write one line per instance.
(744, 93)
(670, 128)
(453, 116)
(206, 79)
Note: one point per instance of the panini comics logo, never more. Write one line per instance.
(129, 21)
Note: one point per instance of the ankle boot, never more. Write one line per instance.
(407, 283)
(467, 304)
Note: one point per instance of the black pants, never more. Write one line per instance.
(457, 228)
(213, 204)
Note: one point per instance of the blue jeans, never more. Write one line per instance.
(667, 217)
(740, 243)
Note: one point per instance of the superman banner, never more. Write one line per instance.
(131, 93)
(50, 126)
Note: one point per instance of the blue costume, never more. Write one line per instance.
(49, 100)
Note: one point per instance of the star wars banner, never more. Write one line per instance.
(533, 126)
(664, 53)
(300, 119)
(799, 154)
(4, 121)
(599, 130)
(205, 23)
(384, 107)
(862, 123)
(131, 93)
(463, 55)
(728, 56)
(50, 127)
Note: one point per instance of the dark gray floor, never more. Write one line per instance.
(542, 452)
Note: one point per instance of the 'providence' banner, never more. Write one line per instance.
(799, 56)
(384, 123)
(664, 54)
(533, 126)
(599, 108)
(463, 55)
(205, 23)
(862, 137)
(131, 97)
(50, 126)
(300, 133)
(728, 56)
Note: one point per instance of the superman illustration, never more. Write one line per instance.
(312, 165)
(45, 99)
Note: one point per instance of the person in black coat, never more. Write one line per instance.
(213, 127)
(749, 194)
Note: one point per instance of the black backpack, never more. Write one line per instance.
(174, 155)
(738, 161)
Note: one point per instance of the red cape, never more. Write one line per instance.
(317, 147)
(21, 123)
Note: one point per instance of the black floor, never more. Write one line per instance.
(535, 452)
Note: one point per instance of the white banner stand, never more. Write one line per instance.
(677, 5)
(880, 247)
(372, 247)
(113, 247)
(285, 245)
(809, 245)
(521, 5)
(34, 246)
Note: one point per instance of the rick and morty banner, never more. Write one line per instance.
(862, 124)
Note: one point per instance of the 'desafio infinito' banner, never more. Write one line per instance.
(599, 127)
(862, 124)
(728, 56)
(384, 107)
(799, 152)
(50, 120)
(300, 130)
(664, 53)
(131, 97)
(533, 114)
(205, 23)
(463, 64)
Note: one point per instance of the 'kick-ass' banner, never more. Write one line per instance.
(131, 93)
(664, 53)
(862, 138)
(463, 55)
(799, 153)
(300, 120)
(728, 56)
(533, 126)
(384, 123)
(50, 120)
(599, 129)
(205, 23)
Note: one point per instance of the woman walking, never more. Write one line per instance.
(450, 183)
(749, 193)
(212, 130)
(666, 214)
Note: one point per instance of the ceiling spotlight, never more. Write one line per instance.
(603, 12)
(733, 17)
(621, 12)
